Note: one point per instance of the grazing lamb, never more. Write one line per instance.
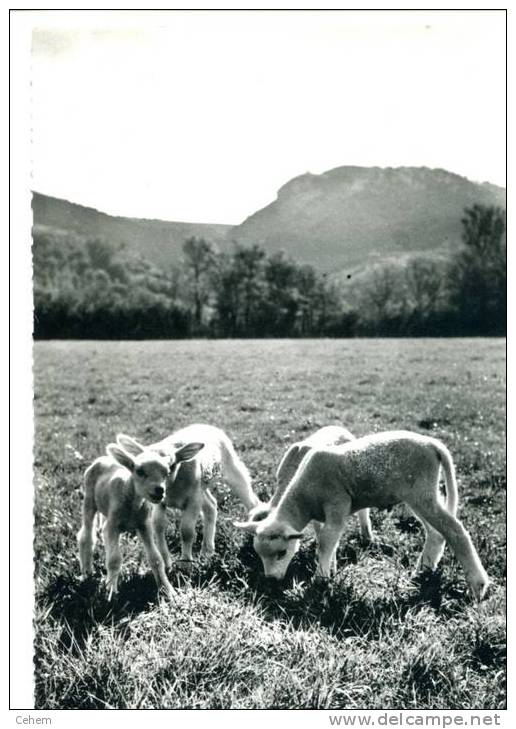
(123, 489)
(188, 484)
(379, 470)
(326, 436)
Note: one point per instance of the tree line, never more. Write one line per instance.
(93, 289)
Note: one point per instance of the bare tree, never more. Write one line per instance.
(424, 281)
(383, 293)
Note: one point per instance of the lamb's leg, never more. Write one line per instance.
(86, 535)
(433, 549)
(329, 535)
(366, 530)
(328, 539)
(209, 515)
(188, 520)
(111, 534)
(159, 527)
(459, 540)
(155, 559)
(318, 528)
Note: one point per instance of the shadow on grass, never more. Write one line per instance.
(337, 605)
(334, 604)
(81, 605)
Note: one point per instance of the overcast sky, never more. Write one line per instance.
(201, 117)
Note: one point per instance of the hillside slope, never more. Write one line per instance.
(160, 241)
(340, 220)
(349, 216)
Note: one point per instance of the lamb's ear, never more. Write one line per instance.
(259, 512)
(303, 450)
(130, 444)
(247, 526)
(121, 456)
(294, 536)
(188, 451)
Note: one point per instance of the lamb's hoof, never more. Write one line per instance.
(380, 547)
(426, 573)
(184, 565)
(479, 589)
(321, 579)
(166, 592)
(206, 553)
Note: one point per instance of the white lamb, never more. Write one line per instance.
(124, 488)
(188, 484)
(329, 435)
(378, 470)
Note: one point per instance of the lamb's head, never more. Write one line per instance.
(150, 469)
(275, 542)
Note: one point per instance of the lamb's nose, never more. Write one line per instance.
(159, 491)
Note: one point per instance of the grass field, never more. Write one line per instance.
(373, 637)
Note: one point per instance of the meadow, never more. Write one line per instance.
(375, 636)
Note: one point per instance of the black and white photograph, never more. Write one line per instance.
(267, 285)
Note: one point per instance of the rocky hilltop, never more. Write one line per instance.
(349, 216)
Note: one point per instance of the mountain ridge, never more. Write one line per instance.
(345, 217)
(160, 241)
(360, 214)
